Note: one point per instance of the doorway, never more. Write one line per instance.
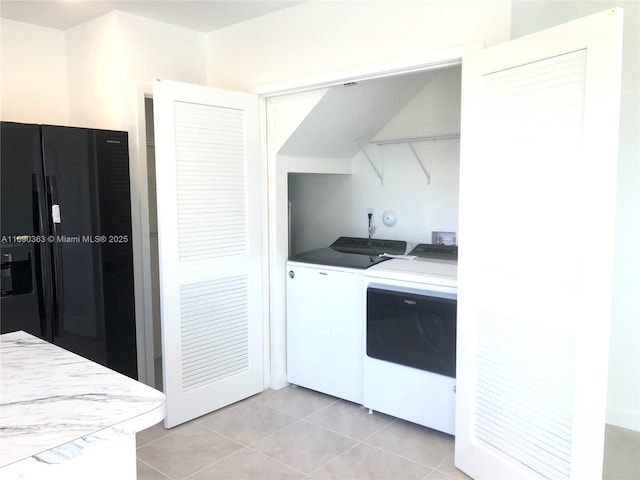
(153, 241)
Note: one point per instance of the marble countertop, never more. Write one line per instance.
(54, 404)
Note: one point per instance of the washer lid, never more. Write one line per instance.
(352, 252)
(333, 258)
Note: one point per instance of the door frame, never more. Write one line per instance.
(448, 57)
(277, 182)
(144, 309)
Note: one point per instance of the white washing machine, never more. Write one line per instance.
(410, 357)
(325, 331)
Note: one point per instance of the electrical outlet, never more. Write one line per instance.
(369, 211)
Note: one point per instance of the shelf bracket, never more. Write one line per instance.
(424, 169)
(410, 141)
(373, 165)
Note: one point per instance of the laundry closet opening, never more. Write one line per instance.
(378, 159)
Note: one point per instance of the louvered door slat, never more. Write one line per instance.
(219, 351)
(208, 138)
(514, 413)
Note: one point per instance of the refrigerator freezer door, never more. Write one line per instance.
(114, 200)
(24, 249)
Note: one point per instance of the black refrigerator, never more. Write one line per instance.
(67, 260)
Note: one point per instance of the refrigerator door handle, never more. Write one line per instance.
(42, 255)
(58, 279)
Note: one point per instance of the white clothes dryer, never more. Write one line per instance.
(410, 352)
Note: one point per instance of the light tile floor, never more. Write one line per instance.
(295, 433)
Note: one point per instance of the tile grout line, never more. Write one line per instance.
(396, 420)
(342, 433)
(400, 456)
(362, 441)
(214, 463)
(333, 459)
(154, 468)
(384, 427)
(250, 446)
(242, 445)
(444, 460)
(278, 461)
(194, 422)
(168, 433)
(303, 419)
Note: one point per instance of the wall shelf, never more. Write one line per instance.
(410, 141)
(424, 138)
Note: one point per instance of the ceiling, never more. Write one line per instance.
(202, 15)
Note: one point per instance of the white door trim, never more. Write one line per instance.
(399, 66)
(277, 176)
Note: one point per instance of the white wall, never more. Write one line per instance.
(623, 403)
(327, 206)
(111, 56)
(323, 36)
(97, 73)
(33, 77)
(319, 210)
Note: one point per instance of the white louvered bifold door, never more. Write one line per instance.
(537, 208)
(210, 185)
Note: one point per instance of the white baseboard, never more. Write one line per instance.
(278, 382)
(624, 419)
